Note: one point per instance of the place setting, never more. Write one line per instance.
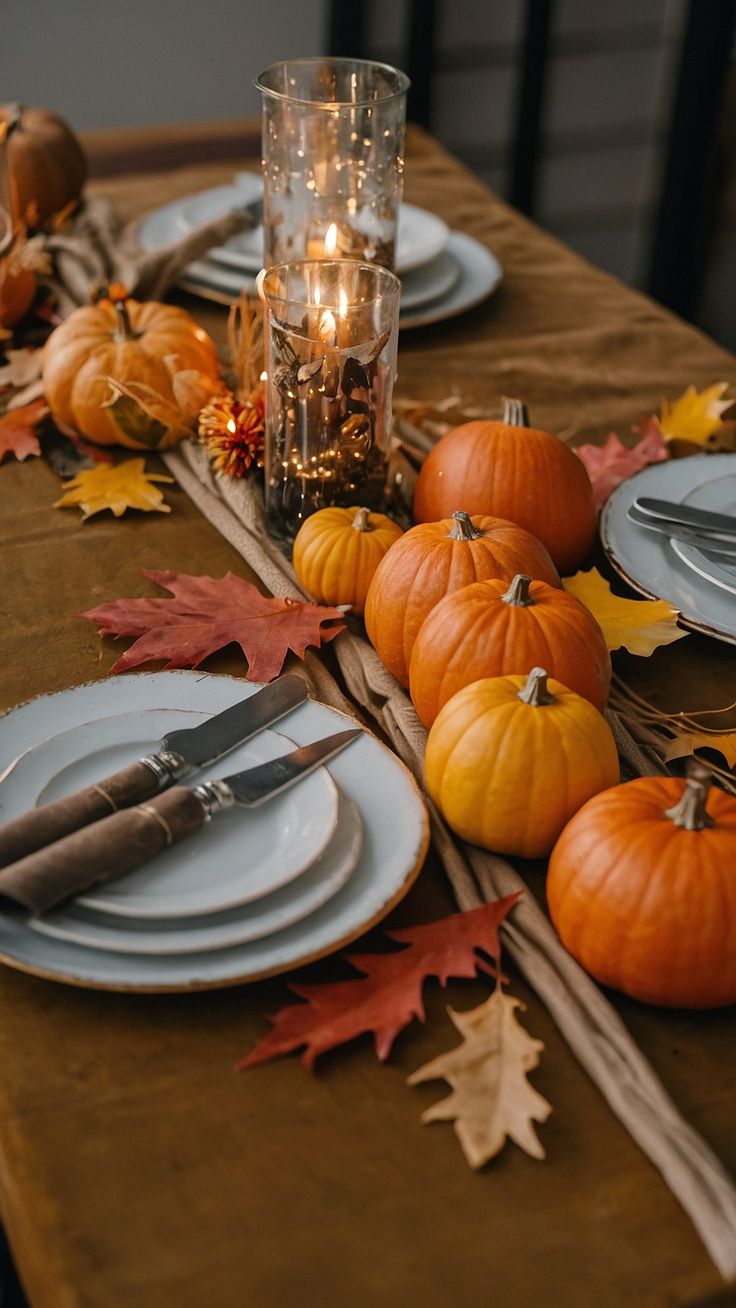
(296, 866)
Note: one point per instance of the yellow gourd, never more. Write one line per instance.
(337, 551)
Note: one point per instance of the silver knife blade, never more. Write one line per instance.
(675, 531)
(262, 782)
(200, 745)
(688, 515)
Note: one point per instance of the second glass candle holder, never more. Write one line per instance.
(331, 343)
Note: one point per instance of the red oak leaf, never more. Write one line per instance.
(389, 993)
(18, 430)
(207, 614)
(608, 465)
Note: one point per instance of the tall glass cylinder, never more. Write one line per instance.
(331, 337)
(333, 159)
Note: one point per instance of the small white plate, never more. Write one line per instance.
(718, 496)
(646, 559)
(429, 282)
(421, 235)
(241, 855)
(396, 836)
(196, 935)
(478, 275)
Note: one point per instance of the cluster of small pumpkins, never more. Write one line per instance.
(511, 675)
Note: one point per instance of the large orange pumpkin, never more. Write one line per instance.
(514, 471)
(46, 161)
(429, 562)
(489, 629)
(510, 759)
(155, 349)
(642, 890)
(337, 551)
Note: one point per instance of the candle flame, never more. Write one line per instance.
(331, 239)
(231, 426)
(327, 327)
(343, 309)
(264, 375)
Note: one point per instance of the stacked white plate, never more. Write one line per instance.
(702, 585)
(254, 892)
(443, 273)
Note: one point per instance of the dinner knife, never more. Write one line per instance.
(179, 753)
(688, 536)
(121, 842)
(688, 516)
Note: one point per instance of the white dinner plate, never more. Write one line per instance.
(647, 560)
(239, 856)
(237, 926)
(395, 827)
(718, 495)
(421, 235)
(479, 274)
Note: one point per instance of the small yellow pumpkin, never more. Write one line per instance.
(509, 760)
(164, 364)
(337, 551)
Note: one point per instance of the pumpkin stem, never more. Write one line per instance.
(515, 413)
(535, 691)
(362, 520)
(689, 811)
(518, 592)
(15, 113)
(463, 528)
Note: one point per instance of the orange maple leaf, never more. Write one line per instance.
(389, 993)
(18, 430)
(206, 614)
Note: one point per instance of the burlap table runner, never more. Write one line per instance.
(584, 1017)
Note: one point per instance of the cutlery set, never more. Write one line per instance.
(713, 532)
(114, 826)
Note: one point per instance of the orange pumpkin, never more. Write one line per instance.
(429, 562)
(642, 890)
(17, 291)
(510, 759)
(511, 470)
(489, 629)
(156, 350)
(337, 551)
(46, 161)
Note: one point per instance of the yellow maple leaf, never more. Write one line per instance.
(640, 626)
(696, 415)
(491, 1098)
(723, 742)
(117, 487)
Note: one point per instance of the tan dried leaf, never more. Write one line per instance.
(22, 367)
(491, 1097)
(723, 742)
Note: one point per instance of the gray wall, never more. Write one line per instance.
(114, 63)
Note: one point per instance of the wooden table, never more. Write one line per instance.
(136, 1167)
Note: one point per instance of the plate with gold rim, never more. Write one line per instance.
(395, 842)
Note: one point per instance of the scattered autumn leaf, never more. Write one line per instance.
(609, 464)
(686, 743)
(696, 415)
(118, 487)
(22, 367)
(18, 430)
(491, 1098)
(208, 613)
(640, 626)
(388, 994)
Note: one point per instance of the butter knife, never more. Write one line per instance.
(178, 754)
(688, 535)
(703, 520)
(119, 843)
